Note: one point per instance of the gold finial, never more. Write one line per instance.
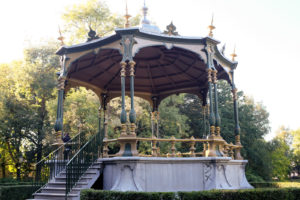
(127, 16)
(233, 55)
(211, 27)
(60, 38)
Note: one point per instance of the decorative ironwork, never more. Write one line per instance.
(92, 35)
(171, 30)
(127, 16)
(233, 55)
(60, 38)
(81, 161)
(211, 27)
(53, 164)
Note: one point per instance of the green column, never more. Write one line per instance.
(217, 116)
(237, 154)
(58, 127)
(212, 119)
(123, 116)
(132, 114)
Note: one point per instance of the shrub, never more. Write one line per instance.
(19, 192)
(252, 194)
(276, 184)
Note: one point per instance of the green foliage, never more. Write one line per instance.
(275, 184)
(254, 194)
(19, 192)
(107, 195)
(94, 14)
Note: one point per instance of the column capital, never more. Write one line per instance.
(123, 68)
(61, 83)
(132, 64)
(234, 93)
(215, 79)
(209, 74)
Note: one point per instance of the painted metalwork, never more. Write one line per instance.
(53, 164)
(92, 35)
(81, 161)
(171, 30)
(217, 115)
(132, 114)
(211, 27)
(123, 117)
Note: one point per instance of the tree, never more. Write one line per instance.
(254, 124)
(27, 86)
(92, 14)
(296, 150)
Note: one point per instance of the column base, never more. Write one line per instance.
(127, 146)
(214, 146)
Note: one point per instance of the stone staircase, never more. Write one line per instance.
(56, 188)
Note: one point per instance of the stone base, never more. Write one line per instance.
(173, 174)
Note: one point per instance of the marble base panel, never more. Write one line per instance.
(173, 174)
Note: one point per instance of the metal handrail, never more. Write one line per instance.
(55, 162)
(81, 161)
(62, 145)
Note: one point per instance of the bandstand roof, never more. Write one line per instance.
(165, 64)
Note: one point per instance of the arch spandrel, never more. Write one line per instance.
(145, 42)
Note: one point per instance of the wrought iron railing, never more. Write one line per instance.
(82, 160)
(50, 166)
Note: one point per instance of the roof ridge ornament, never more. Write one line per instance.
(233, 55)
(92, 35)
(171, 29)
(61, 37)
(145, 11)
(211, 27)
(127, 16)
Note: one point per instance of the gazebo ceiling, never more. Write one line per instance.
(158, 72)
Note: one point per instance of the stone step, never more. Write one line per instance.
(56, 196)
(59, 190)
(63, 184)
(60, 179)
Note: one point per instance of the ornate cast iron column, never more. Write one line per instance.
(99, 120)
(217, 116)
(132, 114)
(237, 155)
(212, 119)
(58, 127)
(127, 141)
(104, 106)
(123, 116)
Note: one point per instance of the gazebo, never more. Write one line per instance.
(150, 64)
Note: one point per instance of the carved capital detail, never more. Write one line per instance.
(123, 68)
(209, 76)
(61, 83)
(132, 64)
(215, 79)
(234, 93)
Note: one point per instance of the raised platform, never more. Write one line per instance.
(173, 174)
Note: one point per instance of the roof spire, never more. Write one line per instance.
(60, 38)
(211, 27)
(127, 16)
(145, 10)
(233, 55)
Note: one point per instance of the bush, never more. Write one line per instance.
(15, 183)
(276, 184)
(252, 194)
(19, 192)
(103, 195)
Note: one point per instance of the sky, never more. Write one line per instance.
(265, 33)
